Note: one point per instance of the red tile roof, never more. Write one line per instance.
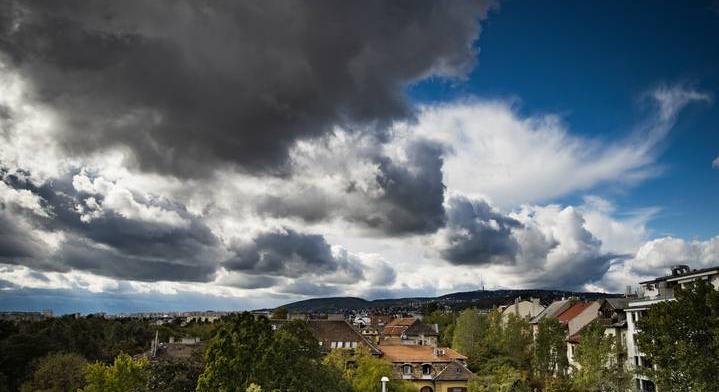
(573, 311)
(412, 353)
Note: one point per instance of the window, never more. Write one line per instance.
(426, 369)
(354, 344)
(426, 389)
(407, 369)
(333, 345)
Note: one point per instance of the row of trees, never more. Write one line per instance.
(26, 347)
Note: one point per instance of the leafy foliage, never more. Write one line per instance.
(445, 321)
(94, 338)
(57, 372)
(124, 375)
(682, 339)
(549, 357)
(247, 351)
(175, 375)
(502, 379)
(601, 367)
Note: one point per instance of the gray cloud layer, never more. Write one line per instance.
(291, 254)
(190, 86)
(476, 234)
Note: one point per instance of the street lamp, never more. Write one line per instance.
(384, 380)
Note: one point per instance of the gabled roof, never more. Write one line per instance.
(454, 371)
(573, 311)
(328, 331)
(413, 353)
(420, 328)
(340, 330)
(404, 321)
(553, 310)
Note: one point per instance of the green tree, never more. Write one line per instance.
(254, 388)
(57, 372)
(502, 379)
(247, 351)
(124, 375)
(469, 332)
(601, 365)
(681, 338)
(279, 314)
(446, 323)
(175, 375)
(549, 357)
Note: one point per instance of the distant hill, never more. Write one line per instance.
(485, 299)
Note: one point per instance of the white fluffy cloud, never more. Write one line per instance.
(513, 159)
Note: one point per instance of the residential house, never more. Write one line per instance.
(655, 291)
(609, 312)
(552, 311)
(333, 334)
(409, 331)
(523, 309)
(431, 369)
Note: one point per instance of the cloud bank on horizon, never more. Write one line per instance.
(268, 152)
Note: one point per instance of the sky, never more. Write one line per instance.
(182, 155)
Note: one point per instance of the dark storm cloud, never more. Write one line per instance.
(477, 234)
(190, 86)
(112, 244)
(251, 281)
(291, 254)
(15, 241)
(405, 198)
(413, 192)
(304, 287)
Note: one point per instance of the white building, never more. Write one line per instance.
(655, 291)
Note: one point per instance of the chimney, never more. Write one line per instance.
(680, 269)
(628, 291)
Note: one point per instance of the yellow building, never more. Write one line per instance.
(431, 369)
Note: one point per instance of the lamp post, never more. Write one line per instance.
(384, 380)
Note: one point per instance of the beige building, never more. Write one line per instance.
(409, 331)
(431, 369)
(526, 310)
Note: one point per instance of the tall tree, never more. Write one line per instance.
(469, 332)
(247, 351)
(124, 375)
(57, 372)
(681, 338)
(550, 350)
(502, 379)
(600, 361)
(593, 354)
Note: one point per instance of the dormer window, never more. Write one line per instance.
(426, 369)
(407, 369)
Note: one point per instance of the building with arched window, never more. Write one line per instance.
(431, 369)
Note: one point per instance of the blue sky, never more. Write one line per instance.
(275, 156)
(591, 62)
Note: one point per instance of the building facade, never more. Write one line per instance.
(653, 292)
